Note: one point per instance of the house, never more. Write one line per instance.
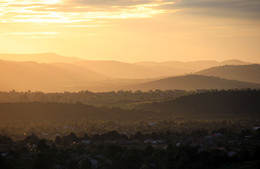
(217, 135)
(4, 154)
(57, 134)
(152, 124)
(86, 141)
(178, 144)
(161, 141)
(150, 141)
(93, 162)
(231, 154)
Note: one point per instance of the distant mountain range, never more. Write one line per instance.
(193, 82)
(248, 73)
(45, 77)
(52, 72)
(191, 66)
(116, 69)
(40, 58)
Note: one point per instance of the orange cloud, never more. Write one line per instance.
(58, 11)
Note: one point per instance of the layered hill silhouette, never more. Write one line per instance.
(192, 66)
(51, 72)
(23, 76)
(193, 82)
(113, 69)
(116, 69)
(211, 104)
(40, 58)
(44, 77)
(63, 112)
(248, 73)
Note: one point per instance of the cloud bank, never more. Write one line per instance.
(71, 11)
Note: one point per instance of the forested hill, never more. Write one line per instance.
(247, 73)
(61, 112)
(193, 82)
(214, 103)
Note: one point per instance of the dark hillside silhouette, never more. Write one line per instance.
(209, 104)
(193, 82)
(216, 103)
(59, 112)
(248, 73)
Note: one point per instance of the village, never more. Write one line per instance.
(137, 151)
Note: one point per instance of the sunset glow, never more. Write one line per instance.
(148, 29)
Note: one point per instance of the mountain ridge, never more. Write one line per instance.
(194, 82)
(119, 69)
(39, 76)
(247, 73)
(211, 103)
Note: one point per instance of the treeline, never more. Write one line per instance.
(114, 98)
(64, 112)
(225, 103)
(211, 104)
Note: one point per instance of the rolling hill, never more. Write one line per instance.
(40, 58)
(248, 73)
(64, 112)
(211, 104)
(113, 69)
(193, 82)
(25, 76)
(61, 73)
(117, 69)
(122, 70)
(192, 66)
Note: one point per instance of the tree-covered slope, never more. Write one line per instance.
(214, 104)
(61, 112)
(193, 82)
(248, 73)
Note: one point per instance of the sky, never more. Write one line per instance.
(133, 30)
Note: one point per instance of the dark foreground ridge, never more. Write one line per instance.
(193, 82)
(64, 112)
(214, 104)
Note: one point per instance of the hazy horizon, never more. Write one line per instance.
(15, 56)
(130, 30)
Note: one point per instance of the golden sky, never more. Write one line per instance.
(133, 30)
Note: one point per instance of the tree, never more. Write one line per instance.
(32, 139)
(5, 140)
(145, 166)
(43, 161)
(42, 146)
(85, 164)
(58, 140)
